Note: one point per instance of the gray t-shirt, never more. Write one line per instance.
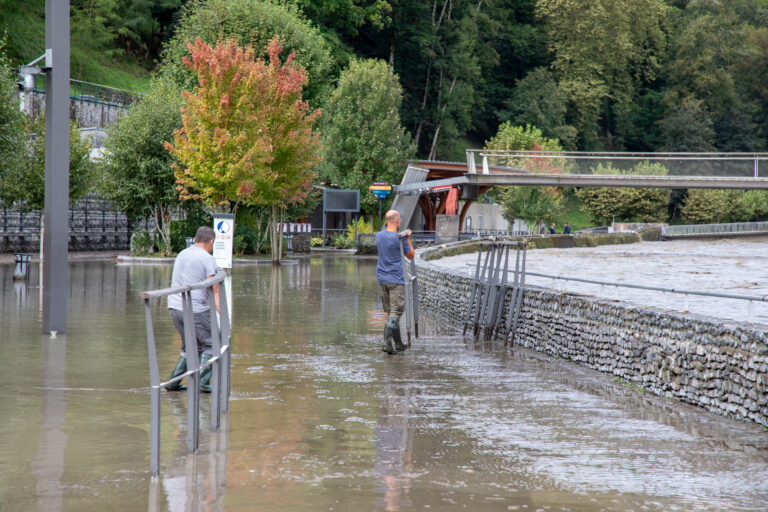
(192, 265)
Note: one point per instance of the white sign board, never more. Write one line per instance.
(224, 226)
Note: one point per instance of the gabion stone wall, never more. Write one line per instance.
(300, 243)
(720, 366)
(93, 226)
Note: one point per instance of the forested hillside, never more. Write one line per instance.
(641, 75)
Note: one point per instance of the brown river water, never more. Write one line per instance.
(321, 419)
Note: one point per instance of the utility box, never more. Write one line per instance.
(446, 229)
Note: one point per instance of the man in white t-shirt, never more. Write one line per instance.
(192, 265)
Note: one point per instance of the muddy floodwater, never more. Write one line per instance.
(321, 419)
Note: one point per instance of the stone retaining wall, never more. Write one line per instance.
(719, 366)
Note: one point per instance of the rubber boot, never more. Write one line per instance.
(181, 367)
(399, 346)
(389, 346)
(205, 375)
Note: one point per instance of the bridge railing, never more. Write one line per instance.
(731, 165)
(715, 229)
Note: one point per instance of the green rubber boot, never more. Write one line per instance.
(399, 345)
(205, 375)
(389, 334)
(181, 367)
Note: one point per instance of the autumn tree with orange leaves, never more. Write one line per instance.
(247, 134)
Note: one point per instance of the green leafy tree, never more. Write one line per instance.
(137, 168)
(603, 51)
(144, 24)
(538, 101)
(251, 23)
(627, 204)
(363, 138)
(27, 184)
(713, 206)
(533, 204)
(755, 205)
(752, 71)
(94, 25)
(687, 127)
(346, 17)
(11, 127)
(247, 134)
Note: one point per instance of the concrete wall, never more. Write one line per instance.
(719, 366)
(84, 111)
(492, 218)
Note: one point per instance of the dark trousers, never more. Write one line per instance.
(202, 330)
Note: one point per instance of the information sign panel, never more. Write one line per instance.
(341, 200)
(224, 226)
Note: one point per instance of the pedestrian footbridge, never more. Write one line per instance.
(427, 184)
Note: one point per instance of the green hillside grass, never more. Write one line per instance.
(23, 26)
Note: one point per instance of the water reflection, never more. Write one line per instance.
(321, 420)
(48, 464)
(394, 448)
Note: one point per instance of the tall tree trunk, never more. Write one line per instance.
(433, 149)
(276, 235)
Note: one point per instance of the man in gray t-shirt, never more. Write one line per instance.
(192, 265)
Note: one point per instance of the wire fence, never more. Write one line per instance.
(741, 165)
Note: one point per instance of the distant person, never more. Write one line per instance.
(552, 229)
(567, 229)
(389, 273)
(192, 265)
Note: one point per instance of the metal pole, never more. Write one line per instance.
(193, 380)
(154, 381)
(475, 286)
(324, 215)
(55, 267)
(216, 367)
(379, 214)
(407, 285)
(415, 299)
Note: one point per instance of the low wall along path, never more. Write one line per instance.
(720, 366)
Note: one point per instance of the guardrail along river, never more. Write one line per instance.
(321, 419)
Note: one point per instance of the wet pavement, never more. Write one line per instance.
(729, 266)
(321, 419)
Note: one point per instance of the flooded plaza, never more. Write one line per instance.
(321, 419)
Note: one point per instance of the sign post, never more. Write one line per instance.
(224, 227)
(380, 190)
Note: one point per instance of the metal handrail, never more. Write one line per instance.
(757, 298)
(704, 229)
(625, 154)
(749, 298)
(678, 165)
(220, 363)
